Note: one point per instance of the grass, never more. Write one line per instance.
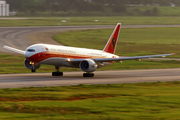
(144, 101)
(17, 65)
(109, 20)
(100, 102)
(145, 64)
(132, 41)
(148, 10)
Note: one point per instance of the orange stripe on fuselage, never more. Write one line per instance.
(49, 54)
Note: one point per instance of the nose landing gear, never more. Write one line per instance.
(33, 70)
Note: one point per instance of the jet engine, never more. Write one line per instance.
(28, 64)
(88, 65)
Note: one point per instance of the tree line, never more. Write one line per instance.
(79, 6)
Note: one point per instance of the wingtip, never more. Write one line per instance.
(14, 49)
(4, 46)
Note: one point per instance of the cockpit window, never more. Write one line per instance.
(31, 50)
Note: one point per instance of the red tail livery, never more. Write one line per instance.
(112, 42)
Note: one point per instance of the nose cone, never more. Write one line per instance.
(27, 54)
(30, 51)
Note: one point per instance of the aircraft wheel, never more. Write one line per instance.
(53, 73)
(61, 73)
(88, 75)
(84, 75)
(57, 73)
(33, 70)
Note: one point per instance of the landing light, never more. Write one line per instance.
(119, 61)
(69, 60)
(32, 63)
(138, 59)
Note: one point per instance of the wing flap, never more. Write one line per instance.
(121, 59)
(130, 58)
(14, 49)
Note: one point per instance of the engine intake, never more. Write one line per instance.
(88, 65)
(28, 64)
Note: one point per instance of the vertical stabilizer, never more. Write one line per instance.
(112, 42)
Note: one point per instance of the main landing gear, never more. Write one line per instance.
(88, 75)
(57, 73)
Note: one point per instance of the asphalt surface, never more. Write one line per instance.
(19, 37)
(101, 77)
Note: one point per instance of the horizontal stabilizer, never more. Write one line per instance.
(14, 49)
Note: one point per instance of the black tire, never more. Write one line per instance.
(33, 70)
(61, 73)
(53, 74)
(57, 73)
(84, 75)
(88, 75)
(91, 75)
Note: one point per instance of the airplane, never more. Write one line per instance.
(88, 60)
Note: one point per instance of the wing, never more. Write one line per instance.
(14, 49)
(120, 59)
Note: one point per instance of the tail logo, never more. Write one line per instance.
(113, 43)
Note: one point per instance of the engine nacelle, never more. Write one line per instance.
(29, 65)
(88, 65)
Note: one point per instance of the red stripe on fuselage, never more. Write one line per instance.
(48, 54)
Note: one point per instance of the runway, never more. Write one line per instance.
(101, 77)
(22, 37)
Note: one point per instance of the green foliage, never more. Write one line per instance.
(153, 11)
(157, 100)
(93, 7)
(132, 41)
(55, 21)
(17, 65)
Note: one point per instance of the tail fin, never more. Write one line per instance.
(112, 42)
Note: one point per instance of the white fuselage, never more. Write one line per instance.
(58, 55)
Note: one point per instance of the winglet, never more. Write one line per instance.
(112, 42)
(14, 49)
